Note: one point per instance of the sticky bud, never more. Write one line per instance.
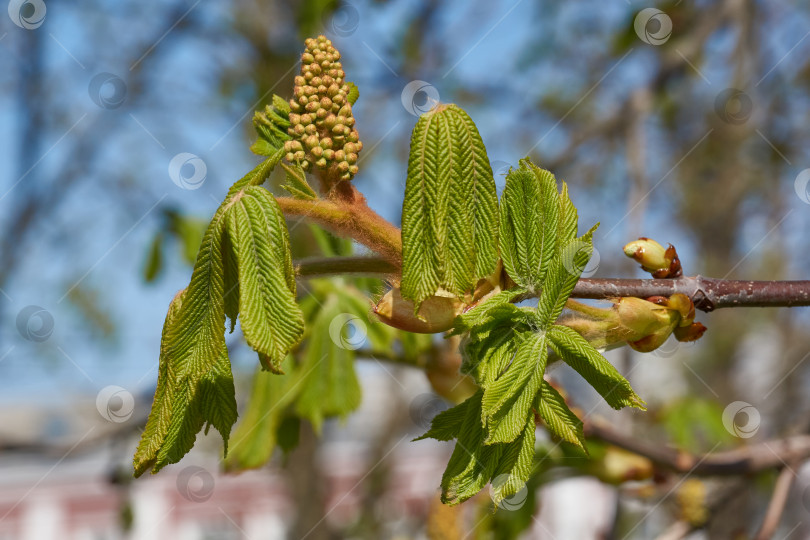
(654, 258)
(436, 313)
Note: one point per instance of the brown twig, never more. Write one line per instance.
(777, 505)
(707, 293)
(745, 460)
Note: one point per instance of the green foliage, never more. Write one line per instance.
(506, 347)
(246, 238)
(258, 432)
(450, 210)
(271, 320)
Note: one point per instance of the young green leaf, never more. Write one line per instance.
(593, 367)
(564, 272)
(474, 463)
(271, 320)
(509, 399)
(255, 437)
(297, 183)
(529, 224)
(329, 385)
(271, 126)
(450, 212)
(559, 419)
(195, 385)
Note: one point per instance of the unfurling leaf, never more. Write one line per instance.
(530, 225)
(450, 212)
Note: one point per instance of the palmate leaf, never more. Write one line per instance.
(270, 319)
(473, 464)
(195, 384)
(505, 347)
(450, 211)
(559, 419)
(593, 367)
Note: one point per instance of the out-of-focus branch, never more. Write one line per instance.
(777, 505)
(747, 459)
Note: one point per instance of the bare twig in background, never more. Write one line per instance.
(744, 460)
(777, 505)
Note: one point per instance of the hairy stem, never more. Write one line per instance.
(348, 215)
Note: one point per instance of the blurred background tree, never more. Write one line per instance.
(687, 124)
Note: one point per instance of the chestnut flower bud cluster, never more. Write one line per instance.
(321, 121)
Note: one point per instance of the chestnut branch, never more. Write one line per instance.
(707, 293)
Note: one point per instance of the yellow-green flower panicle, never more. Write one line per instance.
(321, 122)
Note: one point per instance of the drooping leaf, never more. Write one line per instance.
(593, 367)
(447, 424)
(449, 215)
(270, 318)
(195, 385)
(559, 419)
(509, 398)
